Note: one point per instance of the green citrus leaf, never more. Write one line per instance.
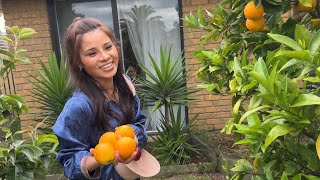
(274, 133)
(286, 40)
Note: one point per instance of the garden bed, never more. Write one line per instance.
(224, 143)
(215, 146)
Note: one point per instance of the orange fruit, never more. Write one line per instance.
(255, 25)
(126, 146)
(104, 153)
(253, 12)
(125, 131)
(303, 8)
(315, 22)
(109, 137)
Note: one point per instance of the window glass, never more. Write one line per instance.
(3, 43)
(6, 81)
(145, 26)
(67, 10)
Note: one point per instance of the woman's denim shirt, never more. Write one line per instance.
(77, 133)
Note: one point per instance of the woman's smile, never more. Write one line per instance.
(107, 66)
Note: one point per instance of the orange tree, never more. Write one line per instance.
(273, 73)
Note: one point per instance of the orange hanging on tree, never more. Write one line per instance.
(255, 25)
(251, 11)
(304, 8)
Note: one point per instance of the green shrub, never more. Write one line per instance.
(172, 144)
(52, 88)
(274, 78)
(165, 84)
(24, 154)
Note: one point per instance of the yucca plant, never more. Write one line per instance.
(171, 145)
(167, 85)
(53, 87)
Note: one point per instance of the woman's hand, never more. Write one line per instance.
(115, 160)
(92, 163)
(127, 161)
(135, 155)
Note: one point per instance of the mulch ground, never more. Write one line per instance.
(225, 143)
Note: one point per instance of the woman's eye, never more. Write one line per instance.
(108, 47)
(91, 54)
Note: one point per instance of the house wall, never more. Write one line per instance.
(213, 110)
(32, 14)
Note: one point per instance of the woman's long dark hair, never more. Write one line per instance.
(88, 85)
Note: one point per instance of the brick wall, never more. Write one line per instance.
(213, 110)
(32, 14)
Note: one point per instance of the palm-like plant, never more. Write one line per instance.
(52, 87)
(172, 145)
(166, 86)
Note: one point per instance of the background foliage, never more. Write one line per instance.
(165, 86)
(52, 88)
(24, 153)
(274, 78)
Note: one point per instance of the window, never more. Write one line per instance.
(67, 10)
(141, 26)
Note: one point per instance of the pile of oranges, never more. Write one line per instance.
(254, 15)
(104, 151)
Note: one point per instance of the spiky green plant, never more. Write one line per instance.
(165, 84)
(172, 144)
(53, 87)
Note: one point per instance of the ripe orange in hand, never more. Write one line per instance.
(126, 146)
(252, 12)
(125, 131)
(109, 137)
(104, 153)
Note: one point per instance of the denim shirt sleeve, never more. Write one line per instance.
(138, 125)
(72, 129)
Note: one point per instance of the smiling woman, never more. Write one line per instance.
(97, 71)
(140, 26)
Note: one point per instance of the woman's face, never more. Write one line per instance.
(99, 56)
